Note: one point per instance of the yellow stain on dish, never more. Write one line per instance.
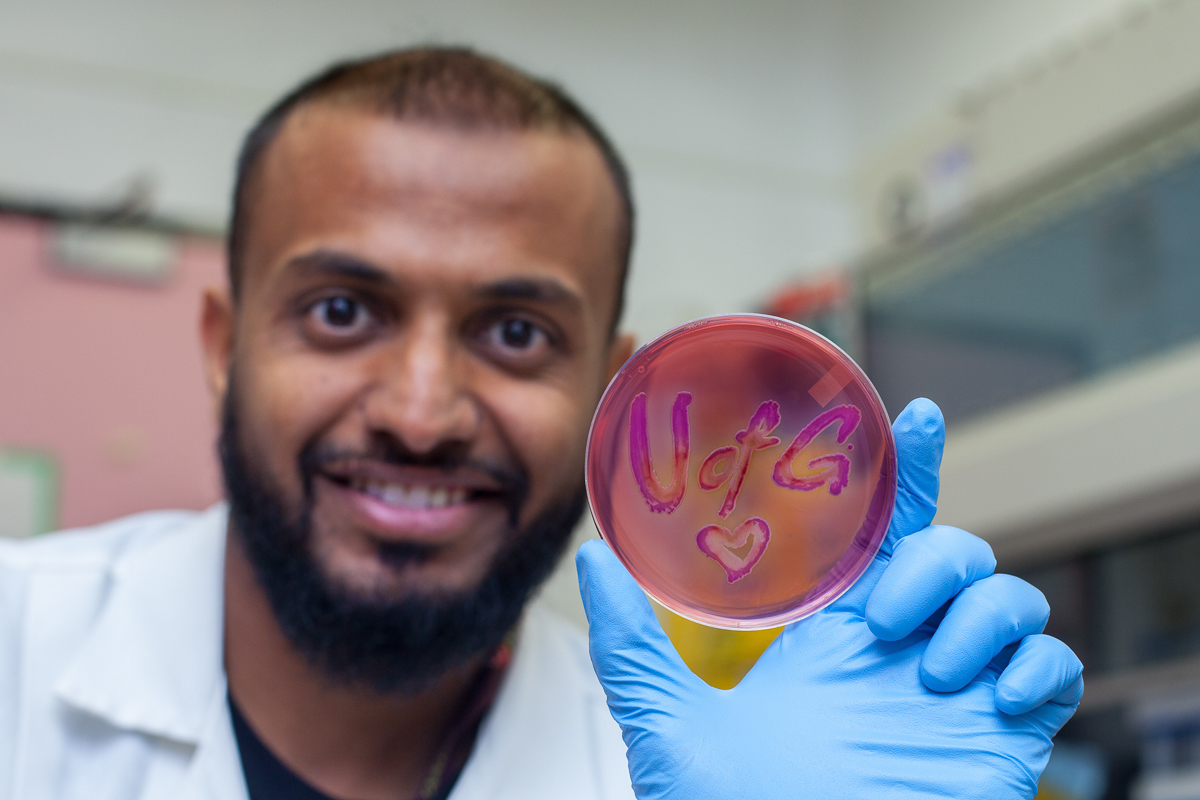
(1047, 793)
(719, 657)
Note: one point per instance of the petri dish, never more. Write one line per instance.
(742, 468)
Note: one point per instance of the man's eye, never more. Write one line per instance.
(338, 316)
(518, 334)
(517, 341)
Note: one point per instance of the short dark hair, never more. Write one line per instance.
(452, 86)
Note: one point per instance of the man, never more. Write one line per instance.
(427, 258)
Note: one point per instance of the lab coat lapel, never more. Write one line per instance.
(154, 656)
(536, 743)
(153, 662)
(216, 769)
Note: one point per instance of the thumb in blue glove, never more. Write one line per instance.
(832, 709)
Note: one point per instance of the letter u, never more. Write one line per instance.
(660, 499)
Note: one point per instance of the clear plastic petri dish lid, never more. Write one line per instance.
(742, 468)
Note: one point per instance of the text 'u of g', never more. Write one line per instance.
(729, 464)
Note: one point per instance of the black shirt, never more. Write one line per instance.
(267, 778)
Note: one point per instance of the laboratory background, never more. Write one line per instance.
(992, 203)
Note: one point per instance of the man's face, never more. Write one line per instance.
(424, 314)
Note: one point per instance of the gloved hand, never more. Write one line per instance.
(877, 696)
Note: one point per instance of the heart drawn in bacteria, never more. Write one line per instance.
(720, 544)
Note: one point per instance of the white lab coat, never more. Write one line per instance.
(112, 684)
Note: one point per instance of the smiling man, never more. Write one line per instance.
(427, 260)
(422, 321)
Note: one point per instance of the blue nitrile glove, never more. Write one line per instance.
(859, 700)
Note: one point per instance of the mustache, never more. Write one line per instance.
(512, 481)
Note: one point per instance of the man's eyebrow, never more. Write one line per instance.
(337, 264)
(541, 290)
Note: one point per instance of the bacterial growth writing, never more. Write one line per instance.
(739, 549)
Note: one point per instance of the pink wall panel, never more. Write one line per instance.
(107, 377)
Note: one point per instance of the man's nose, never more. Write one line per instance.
(421, 395)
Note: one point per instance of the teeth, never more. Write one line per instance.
(394, 495)
(419, 496)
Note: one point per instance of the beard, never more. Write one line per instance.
(359, 638)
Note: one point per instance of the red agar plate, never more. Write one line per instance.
(743, 469)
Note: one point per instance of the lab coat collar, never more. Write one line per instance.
(542, 737)
(153, 660)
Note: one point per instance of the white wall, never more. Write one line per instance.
(743, 121)
(732, 115)
(907, 61)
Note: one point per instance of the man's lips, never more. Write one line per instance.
(402, 503)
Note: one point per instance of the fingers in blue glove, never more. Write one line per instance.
(635, 661)
(982, 620)
(927, 569)
(1043, 670)
(920, 434)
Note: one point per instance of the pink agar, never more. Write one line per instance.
(790, 549)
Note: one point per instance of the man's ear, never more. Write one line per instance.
(216, 334)
(618, 353)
